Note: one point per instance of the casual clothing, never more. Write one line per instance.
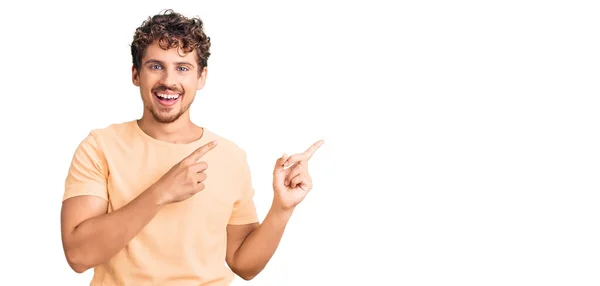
(185, 243)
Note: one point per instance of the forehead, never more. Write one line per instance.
(155, 52)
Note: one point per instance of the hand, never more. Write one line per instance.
(185, 178)
(292, 184)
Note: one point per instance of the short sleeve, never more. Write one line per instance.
(244, 209)
(88, 172)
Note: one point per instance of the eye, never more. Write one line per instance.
(155, 67)
(182, 69)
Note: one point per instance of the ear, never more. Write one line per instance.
(202, 79)
(135, 76)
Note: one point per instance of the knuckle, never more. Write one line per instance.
(202, 165)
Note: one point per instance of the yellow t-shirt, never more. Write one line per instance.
(185, 243)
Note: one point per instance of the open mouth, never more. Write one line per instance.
(167, 99)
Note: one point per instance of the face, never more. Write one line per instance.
(168, 81)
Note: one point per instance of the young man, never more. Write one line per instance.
(162, 201)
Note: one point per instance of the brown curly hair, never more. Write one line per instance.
(171, 30)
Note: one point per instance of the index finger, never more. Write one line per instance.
(313, 148)
(198, 153)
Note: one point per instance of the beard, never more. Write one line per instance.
(163, 115)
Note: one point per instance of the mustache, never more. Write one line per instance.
(166, 88)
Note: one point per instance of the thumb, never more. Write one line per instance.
(280, 161)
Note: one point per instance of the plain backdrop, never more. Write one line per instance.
(462, 141)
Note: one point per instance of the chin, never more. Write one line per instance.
(167, 119)
(162, 116)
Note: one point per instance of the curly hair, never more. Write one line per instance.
(171, 30)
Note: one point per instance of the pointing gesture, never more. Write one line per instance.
(291, 180)
(185, 178)
(304, 157)
(198, 153)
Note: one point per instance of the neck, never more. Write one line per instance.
(181, 131)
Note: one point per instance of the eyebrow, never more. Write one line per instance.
(153, 61)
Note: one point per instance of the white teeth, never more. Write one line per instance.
(168, 96)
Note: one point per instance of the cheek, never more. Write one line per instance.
(147, 81)
(189, 83)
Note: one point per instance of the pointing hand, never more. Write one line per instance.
(291, 179)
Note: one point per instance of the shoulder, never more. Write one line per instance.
(113, 130)
(100, 138)
(112, 134)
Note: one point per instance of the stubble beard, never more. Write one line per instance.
(161, 114)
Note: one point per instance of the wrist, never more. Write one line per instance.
(157, 197)
(281, 212)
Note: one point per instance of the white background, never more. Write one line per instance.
(462, 141)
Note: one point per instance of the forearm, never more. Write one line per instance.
(97, 239)
(260, 245)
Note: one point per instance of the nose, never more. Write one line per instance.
(168, 79)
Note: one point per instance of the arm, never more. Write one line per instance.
(251, 246)
(91, 236)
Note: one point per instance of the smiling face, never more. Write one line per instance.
(168, 81)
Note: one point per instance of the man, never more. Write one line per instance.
(162, 201)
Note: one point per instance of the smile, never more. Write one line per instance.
(167, 99)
